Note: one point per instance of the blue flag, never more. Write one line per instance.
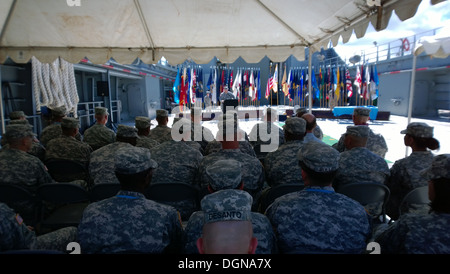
(176, 87)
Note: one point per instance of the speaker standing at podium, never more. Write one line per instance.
(225, 95)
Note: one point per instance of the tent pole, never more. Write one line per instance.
(411, 93)
(2, 114)
(309, 79)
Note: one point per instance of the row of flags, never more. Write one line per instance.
(244, 84)
(334, 81)
(188, 85)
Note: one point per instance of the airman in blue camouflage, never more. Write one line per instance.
(226, 174)
(278, 164)
(415, 233)
(128, 222)
(178, 162)
(375, 142)
(252, 169)
(99, 135)
(357, 163)
(405, 175)
(317, 219)
(227, 227)
(16, 235)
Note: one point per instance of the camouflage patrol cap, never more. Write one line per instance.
(16, 115)
(421, 130)
(21, 122)
(295, 126)
(361, 111)
(70, 122)
(224, 174)
(18, 131)
(319, 157)
(126, 131)
(133, 160)
(227, 205)
(59, 111)
(101, 111)
(358, 131)
(142, 122)
(440, 168)
(162, 113)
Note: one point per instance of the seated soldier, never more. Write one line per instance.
(227, 225)
(128, 222)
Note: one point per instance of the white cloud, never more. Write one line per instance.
(428, 17)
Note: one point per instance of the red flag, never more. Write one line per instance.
(349, 84)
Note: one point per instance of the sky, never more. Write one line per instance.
(428, 17)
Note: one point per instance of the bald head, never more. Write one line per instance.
(227, 237)
(310, 121)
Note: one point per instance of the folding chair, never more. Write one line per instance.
(63, 170)
(103, 191)
(184, 197)
(368, 195)
(21, 201)
(415, 201)
(68, 200)
(269, 196)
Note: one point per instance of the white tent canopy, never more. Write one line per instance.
(185, 29)
(436, 46)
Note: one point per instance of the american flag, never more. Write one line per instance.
(269, 86)
(358, 80)
(349, 83)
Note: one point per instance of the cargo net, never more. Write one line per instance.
(54, 85)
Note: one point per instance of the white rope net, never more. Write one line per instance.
(54, 85)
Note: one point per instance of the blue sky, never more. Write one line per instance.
(427, 18)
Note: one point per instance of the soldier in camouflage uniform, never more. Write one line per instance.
(405, 175)
(375, 142)
(317, 219)
(266, 135)
(66, 146)
(299, 112)
(101, 165)
(226, 95)
(99, 135)
(199, 133)
(357, 163)
(252, 169)
(416, 233)
(244, 145)
(178, 162)
(226, 174)
(227, 225)
(144, 140)
(128, 222)
(278, 164)
(162, 132)
(16, 165)
(53, 131)
(37, 149)
(16, 235)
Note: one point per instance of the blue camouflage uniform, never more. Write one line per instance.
(225, 174)
(419, 233)
(128, 222)
(317, 219)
